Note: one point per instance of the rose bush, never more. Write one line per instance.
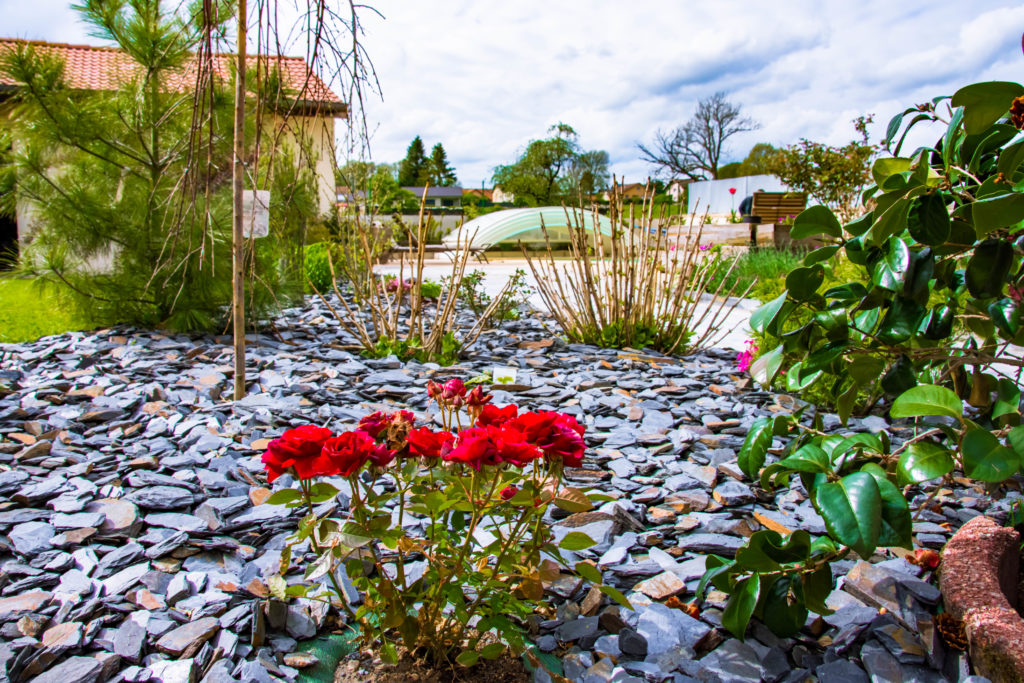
(445, 537)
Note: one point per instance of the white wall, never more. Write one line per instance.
(713, 196)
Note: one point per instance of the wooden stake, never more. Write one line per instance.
(237, 187)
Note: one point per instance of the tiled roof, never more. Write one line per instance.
(88, 67)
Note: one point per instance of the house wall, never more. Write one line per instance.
(313, 137)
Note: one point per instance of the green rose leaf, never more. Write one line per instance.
(927, 399)
(468, 658)
(493, 651)
(816, 220)
(985, 103)
(992, 213)
(808, 458)
(817, 587)
(888, 166)
(741, 606)
(616, 595)
(851, 508)
(1007, 399)
(589, 572)
(923, 461)
(985, 459)
(283, 497)
(576, 540)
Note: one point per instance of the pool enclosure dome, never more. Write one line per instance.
(514, 225)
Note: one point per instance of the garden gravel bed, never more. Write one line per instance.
(135, 548)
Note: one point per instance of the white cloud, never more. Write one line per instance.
(485, 78)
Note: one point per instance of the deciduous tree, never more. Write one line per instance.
(553, 170)
(695, 149)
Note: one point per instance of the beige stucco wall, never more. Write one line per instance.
(312, 137)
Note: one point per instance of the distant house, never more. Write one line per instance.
(628, 191)
(439, 197)
(677, 188)
(499, 196)
(309, 129)
(481, 193)
(347, 197)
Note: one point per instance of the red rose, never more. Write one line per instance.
(298, 449)
(349, 451)
(480, 446)
(732, 190)
(375, 423)
(509, 492)
(454, 388)
(425, 443)
(493, 415)
(559, 436)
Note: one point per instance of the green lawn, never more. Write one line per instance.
(29, 311)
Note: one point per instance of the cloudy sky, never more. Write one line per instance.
(484, 78)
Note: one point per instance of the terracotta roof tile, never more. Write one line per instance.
(88, 67)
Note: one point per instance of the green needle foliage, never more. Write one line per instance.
(121, 216)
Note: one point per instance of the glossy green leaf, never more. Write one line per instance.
(985, 103)
(853, 291)
(283, 496)
(988, 268)
(576, 540)
(765, 367)
(993, 213)
(865, 369)
(927, 399)
(899, 377)
(1016, 439)
(816, 220)
(1005, 316)
(468, 658)
(808, 458)
(901, 321)
(896, 529)
(938, 324)
(884, 167)
(589, 572)
(851, 508)
(1011, 158)
(892, 221)
(889, 272)
(755, 447)
(821, 254)
(802, 283)
(493, 650)
(741, 606)
(800, 377)
(763, 319)
(985, 459)
(818, 585)
(846, 403)
(1007, 398)
(923, 461)
(860, 225)
(616, 595)
(783, 605)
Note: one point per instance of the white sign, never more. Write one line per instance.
(255, 221)
(504, 375)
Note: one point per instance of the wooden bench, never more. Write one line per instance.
(771, 208)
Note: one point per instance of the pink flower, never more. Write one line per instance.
(705, 247)
(746, 357)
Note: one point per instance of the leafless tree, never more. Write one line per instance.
(694, 150)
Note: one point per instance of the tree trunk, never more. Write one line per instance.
(237, 187)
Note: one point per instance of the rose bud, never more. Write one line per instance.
(509, 492)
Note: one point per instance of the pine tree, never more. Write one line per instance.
(412, 170)
(441, 174)
(102, 172)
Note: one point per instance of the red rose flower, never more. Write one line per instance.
(732, 190)
(298, 449)
(375, 423)
(434, 389)
(559, 436)
(476, 400)
(351, 450)
(425, 443)
(493, 415)
(480, 446)
(509, 492)
(454, 388)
